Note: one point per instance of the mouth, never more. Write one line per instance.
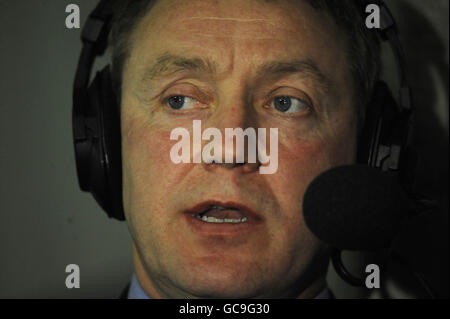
(214, 217)
(219, 213)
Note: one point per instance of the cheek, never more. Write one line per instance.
(146, 163)
(300, 161)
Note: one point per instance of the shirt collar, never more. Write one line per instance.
(136, 291)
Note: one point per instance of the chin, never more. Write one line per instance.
(231, 283)
(218, 289)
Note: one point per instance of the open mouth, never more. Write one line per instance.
(222, 213)
(224, 219)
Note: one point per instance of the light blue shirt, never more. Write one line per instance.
(136, 291)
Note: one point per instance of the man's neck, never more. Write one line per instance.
(145, 287)
(136, 292)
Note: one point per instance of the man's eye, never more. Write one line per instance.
(287, 104)
(181, 102)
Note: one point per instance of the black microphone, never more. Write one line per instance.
(356, 207)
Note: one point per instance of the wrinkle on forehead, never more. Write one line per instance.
(242, 35)
(231, 19)
(236, 28)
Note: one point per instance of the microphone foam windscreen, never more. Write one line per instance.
(355, 207)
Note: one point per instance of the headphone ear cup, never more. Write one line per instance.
(381, 143)
(367, 138)
(100, 160)
(112, 141)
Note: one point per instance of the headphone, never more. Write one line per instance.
(384, 142)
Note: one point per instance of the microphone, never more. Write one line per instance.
(356, 207)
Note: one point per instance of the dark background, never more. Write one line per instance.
(46, 223)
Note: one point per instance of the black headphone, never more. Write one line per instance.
(384, 143)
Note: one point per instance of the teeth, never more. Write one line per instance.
(218, 220)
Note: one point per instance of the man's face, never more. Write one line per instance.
(231, 60)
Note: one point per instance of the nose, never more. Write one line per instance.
(237, 123)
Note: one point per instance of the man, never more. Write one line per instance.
(218, 229)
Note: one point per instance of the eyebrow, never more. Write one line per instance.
(306, 68)
(168, 64)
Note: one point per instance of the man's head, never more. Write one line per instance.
(234, 64)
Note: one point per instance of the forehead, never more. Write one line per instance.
(259, 16)
(231, 31)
